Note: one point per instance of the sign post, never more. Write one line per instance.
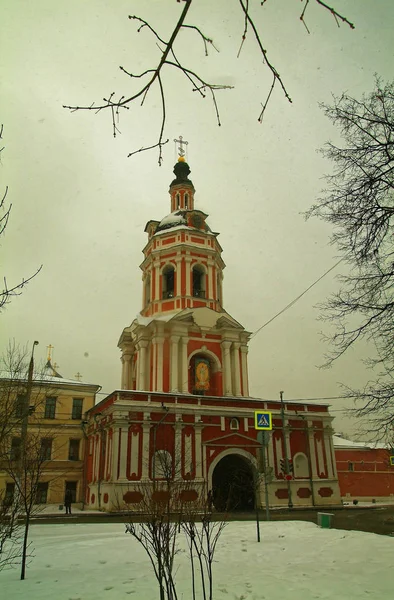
(263, 424)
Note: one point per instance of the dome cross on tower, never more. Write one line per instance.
(181, 151)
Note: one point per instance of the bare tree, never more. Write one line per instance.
(170, 59)
(25, 449)
(158, 512)
(8, 292)
(359, 203)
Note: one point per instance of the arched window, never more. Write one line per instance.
(162, 465)
(198, 281)
(234, 424)
(178, 201)
(147, 290)
(301, 466)
(168, 281)
(186, 201)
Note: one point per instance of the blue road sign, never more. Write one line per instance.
(263, 420)
(392, 461)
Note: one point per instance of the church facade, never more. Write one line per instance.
(184, 396)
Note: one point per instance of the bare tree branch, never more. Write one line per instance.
(167, 48)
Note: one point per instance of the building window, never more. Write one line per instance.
(42, 493)
(72, 486)
(301, 466)
(50, 408)
(178, 201)
(77, 408)
(350, 466)
(186, 201)
(73, 450)
(198, 281)
(16, 444)
(19, 405)
(168, 281)
(162, 465)
(234, 424)
(9, 494)
(219, 289)
(46, 449)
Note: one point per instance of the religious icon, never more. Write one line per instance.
(202, 374)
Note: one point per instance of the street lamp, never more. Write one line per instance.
(26, 404)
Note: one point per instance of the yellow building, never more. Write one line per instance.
(55, 423)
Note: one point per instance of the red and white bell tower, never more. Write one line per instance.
(183, 340)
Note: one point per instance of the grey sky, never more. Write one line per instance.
(80, 205)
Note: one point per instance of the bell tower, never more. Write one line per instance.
(183, 340)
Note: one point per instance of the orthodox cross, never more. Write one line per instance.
(181, 142)
(55, 365)
(50, 348)
(78, 376)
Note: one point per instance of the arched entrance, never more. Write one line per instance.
(233, 484)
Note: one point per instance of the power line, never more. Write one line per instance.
(296, 299)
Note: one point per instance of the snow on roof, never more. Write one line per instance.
(44, 378)
(340, 442)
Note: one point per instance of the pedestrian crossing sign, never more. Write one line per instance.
(263, 420)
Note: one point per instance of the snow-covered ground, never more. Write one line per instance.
(295, 560)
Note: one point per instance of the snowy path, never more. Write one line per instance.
(295, 560)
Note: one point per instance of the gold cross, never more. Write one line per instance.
(55, 365)
(50, 348)
(78, 376)
(181, 142)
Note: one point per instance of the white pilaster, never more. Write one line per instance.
(174, 363)
(115, 452)
(227, 368)
(142, 364)
(185, 366)
(236, 368)
(244, 367)
(312, 449)
(188, 261)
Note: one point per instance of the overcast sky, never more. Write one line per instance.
(80, 205)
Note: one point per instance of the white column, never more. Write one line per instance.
(178, 280)
(159, 363)
(185, 366)
(227, 368)
(124, 434)
(209, 290)
(122, 384)
(137, 368)
(115, 452)
(174, 363)
(126, 367)
(236, 369)
(156, 275)
(244, 367)
(145, 446)
(142, 364)
(327, 447)
(188, 261)
(312, 449)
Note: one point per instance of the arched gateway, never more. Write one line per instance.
(234, 485)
